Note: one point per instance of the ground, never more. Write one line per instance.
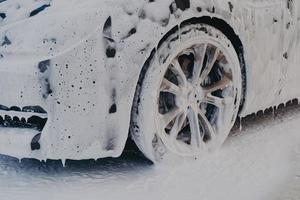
(260, 162)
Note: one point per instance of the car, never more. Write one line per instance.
(80, 77)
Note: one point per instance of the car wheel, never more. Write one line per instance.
(188, 95)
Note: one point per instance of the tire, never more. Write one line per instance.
(188, 95)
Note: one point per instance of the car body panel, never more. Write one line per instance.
(81, 60)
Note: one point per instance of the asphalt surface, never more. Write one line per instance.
(262, 161)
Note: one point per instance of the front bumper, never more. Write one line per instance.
(57, 61)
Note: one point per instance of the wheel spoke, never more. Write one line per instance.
(220, 85)
(178, 70)
(170, 116)
(168, 86)
(177, 127)
(199, 52)
(210, 63)
(213, 100)
(196, 138)
(208, 126)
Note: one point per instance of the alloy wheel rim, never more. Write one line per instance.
(197, 96)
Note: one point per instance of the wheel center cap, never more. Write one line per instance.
(191, 96)
(194, 94)
(200, 93)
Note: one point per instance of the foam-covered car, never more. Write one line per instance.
(77, 78)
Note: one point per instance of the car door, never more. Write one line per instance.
(291, 65)
(264, 28)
